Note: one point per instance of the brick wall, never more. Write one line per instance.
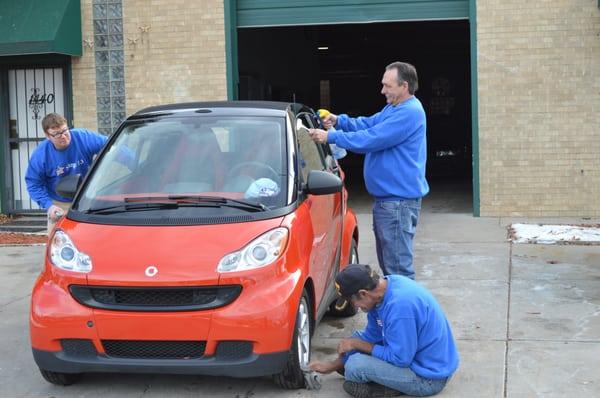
(538, 91)
(84, 75)
(174, 52)
(539, 107)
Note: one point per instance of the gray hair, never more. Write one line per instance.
(406, 73)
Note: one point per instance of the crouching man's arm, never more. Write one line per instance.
(327, 366)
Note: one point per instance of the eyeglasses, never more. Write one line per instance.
(59, 133)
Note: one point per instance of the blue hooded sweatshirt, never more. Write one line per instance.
(409, 329)
(48, 165)
(395, 145)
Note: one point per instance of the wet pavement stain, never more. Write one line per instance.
(335, 323)
(326, 350)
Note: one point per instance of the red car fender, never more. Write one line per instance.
(350, 231)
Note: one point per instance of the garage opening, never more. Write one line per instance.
(339, 67)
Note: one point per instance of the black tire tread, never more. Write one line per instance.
(348, 309)
(60, 379)
(291, 377)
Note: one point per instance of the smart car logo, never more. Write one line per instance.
(151, 271)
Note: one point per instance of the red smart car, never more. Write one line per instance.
(204, 240)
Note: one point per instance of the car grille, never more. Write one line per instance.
(78, 347)
(230, 350)
(186, 298)
(143, 349)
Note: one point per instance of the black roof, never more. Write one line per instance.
(199, 106)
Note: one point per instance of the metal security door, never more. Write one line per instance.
(32, 93)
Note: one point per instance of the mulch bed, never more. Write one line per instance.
(13, 238)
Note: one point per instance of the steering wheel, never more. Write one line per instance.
(259, 165)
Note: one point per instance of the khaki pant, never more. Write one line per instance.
(63, 205)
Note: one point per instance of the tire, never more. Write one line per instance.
(60, 379)
(292, 378)
(342, 307)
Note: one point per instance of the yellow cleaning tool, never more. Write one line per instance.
(323, 113)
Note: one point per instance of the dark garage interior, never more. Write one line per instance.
(339, 67)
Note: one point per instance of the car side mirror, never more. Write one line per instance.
(67, 186)
(323, 183)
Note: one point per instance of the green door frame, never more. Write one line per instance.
(6, 63)
(474, 107)
(231, 52)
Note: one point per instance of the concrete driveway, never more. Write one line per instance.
(526, 317)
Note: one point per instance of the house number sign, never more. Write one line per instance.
(37, 100)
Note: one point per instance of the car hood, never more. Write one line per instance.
(182, 255)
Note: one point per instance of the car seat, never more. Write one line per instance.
(197, 164)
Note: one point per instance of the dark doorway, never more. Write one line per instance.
(339, 67)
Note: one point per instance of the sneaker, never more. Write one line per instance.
(369, 390)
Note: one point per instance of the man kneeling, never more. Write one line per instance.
(407, 346)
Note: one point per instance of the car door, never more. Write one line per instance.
(325, 210)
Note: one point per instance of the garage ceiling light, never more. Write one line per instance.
(323, 48)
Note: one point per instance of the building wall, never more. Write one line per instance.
(538, 91)
(173, 53)
(84, 75)
(539, 107)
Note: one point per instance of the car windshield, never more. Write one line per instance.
(209, 164)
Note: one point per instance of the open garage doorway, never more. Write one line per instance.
(339, 67)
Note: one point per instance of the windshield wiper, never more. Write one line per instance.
(125, 207)
(219, 200)
(174, 202)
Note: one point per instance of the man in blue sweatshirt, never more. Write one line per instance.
(407, 346)
(64, 152)
(395, 147)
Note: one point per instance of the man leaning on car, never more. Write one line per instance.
(64, 152)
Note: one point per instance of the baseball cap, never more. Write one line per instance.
(354, 278)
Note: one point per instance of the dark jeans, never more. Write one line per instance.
(363, 368)
(394, 225)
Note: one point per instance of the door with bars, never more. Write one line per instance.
(32, 93)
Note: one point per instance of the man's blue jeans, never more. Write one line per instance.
(394, 225)
(363, 368)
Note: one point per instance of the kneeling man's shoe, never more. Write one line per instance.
(369, 390)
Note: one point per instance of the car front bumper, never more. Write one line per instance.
(253, 365)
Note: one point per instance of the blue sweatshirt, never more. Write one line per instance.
(395, 145)
(409, 329)
(48, 165)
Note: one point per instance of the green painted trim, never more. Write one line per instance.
(474, 107)
(231, 49)
(4, 129)
(258, 13)
(40, 27)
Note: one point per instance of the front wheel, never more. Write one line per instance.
(342, 307)
(60, 379)
(292, 378)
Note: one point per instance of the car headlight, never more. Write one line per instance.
(260, 252)
(65, 255)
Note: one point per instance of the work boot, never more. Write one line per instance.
(369, 390)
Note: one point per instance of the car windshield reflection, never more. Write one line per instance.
(233, 158)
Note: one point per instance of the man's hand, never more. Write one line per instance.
(351, 344)
(55, 213)
(318, 135)
(326, 366)
(329, 121)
